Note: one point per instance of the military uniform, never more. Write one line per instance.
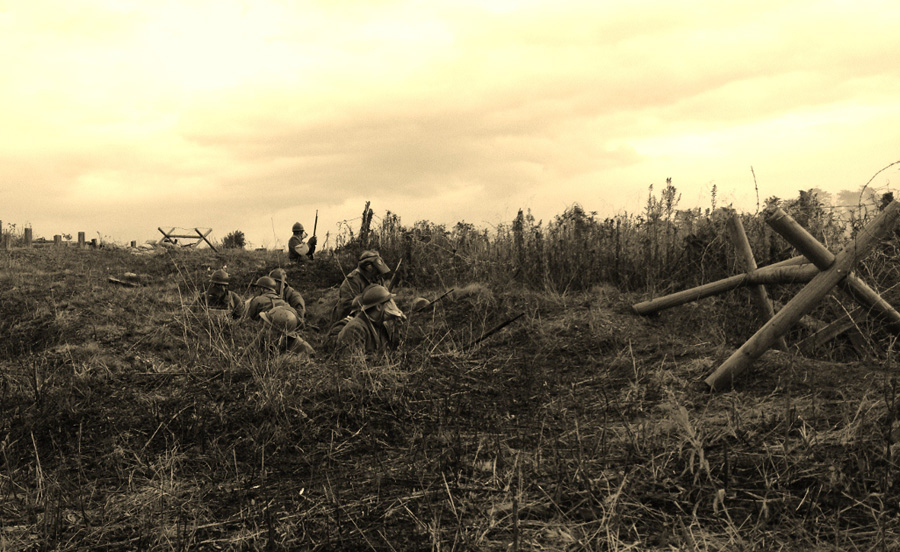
(220, 299)
(360, 335)
(352, 287)
(264, 303)
(294, 299)
(293, 255)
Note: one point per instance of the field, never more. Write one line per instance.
(129, 421)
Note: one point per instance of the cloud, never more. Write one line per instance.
(255, 110)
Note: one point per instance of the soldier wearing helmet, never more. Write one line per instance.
(370, 269)
(286, 292)
(298, 251)
(266, 299)
(219, 298)
(369, 331)
(282, 323)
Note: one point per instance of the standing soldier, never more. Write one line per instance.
(219, 298)
(369, 331)
(298, 251)
(286, 292)
(371, 269)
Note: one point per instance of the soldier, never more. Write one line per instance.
(281, 319)
(298, 251)
(286, 292)
(283, 323)
(371, 269)
(369, 331)
(267, 299)
(219, 298)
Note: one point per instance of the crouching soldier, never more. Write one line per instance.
(219, 298)
(281, 319)
(370, 270)
(283, 323)
(289, 294)
(370, 331)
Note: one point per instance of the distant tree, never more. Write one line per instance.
(234, 240)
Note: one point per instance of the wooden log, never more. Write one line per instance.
(203, 237)
(826, 333)
(767, 275)
(81, 239)
(28, 235)
(57, 240)
(819, 255)
(165, 234)
(793, 261)
(94, 243)
(745, 257)
(806, 300)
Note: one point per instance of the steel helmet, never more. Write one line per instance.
(375, 259)
(297, 228)
(279, 275)
(267, 283)
(419, 303)
(220, 277)
(375, 295)
(281, 318)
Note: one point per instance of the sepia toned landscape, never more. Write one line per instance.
(530, 408)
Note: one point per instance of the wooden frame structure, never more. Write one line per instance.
(198, 237)
(818, 267)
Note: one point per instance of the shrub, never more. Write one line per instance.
(234, 240)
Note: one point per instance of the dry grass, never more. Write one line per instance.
(130, 421)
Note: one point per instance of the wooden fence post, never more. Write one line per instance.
(806, 300)
(28, 237)
(745, 257)
(94, 243)
(133, 244)
(57, 240)
(81, 240)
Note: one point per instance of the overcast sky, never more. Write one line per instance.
(120, 116)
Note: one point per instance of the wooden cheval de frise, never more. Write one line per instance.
(198, 237)
(823, 271)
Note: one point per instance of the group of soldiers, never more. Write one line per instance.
(363, 318)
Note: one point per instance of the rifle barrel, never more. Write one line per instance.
(494, 330)
(434, 301)
(390, 286)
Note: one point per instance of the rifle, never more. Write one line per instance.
(315, 224)
(494, 330)
(393, 281)
(434, 301)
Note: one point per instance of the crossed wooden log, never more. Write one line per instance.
(198, 237)
(817, 266)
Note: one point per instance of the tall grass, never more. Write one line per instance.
(658, 250)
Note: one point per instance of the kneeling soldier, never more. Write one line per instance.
(369, 331)
(370, 270)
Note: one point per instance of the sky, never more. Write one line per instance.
(122, 116)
